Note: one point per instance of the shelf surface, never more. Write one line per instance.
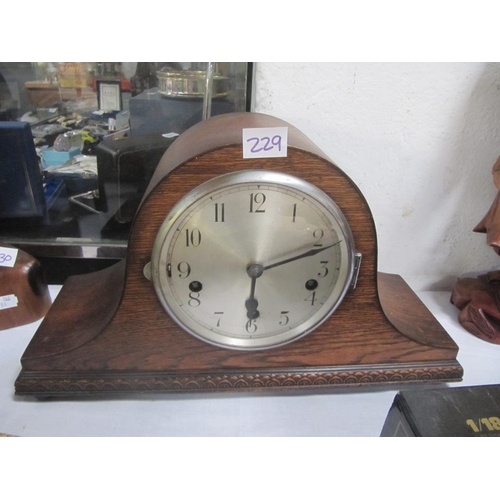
(339, 412)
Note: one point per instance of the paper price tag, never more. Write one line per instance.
(269, 142)
(8, 301)
(8, 256)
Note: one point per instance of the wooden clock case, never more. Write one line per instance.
(107, 333)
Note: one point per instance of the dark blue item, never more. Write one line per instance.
(21, 185)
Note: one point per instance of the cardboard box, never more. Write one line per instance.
(454, 411)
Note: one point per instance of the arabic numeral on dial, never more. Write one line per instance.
(251, 326)
(184, 269)
(219, 212)
(311, 298)
(324, 269)
(284, 319)
(193, 237)
(257, 200)
(194, 299)
(219, 314)
(318, 234)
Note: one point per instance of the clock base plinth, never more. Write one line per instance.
(87, 384)
(64, 372)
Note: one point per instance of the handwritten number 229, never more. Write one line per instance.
(265, 143)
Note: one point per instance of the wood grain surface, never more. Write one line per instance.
(108, 328)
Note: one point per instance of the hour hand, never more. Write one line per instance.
(251, 304)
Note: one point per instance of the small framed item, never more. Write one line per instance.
(109, 95)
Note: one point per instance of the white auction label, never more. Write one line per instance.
(8, 301)
(270, 142)
(8, 256)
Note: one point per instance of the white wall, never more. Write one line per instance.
(419, 139)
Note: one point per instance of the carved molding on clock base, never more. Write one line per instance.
(61, 384)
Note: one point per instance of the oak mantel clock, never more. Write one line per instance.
(243, 272)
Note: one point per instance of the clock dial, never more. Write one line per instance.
(253, 260)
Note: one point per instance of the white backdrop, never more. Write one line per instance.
(419, 139)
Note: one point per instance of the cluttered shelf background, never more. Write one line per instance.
(99, 131)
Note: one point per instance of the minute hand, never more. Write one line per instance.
(301, 256)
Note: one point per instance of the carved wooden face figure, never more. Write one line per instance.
(490, 224)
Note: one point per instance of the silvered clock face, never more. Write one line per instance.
(252, 260)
